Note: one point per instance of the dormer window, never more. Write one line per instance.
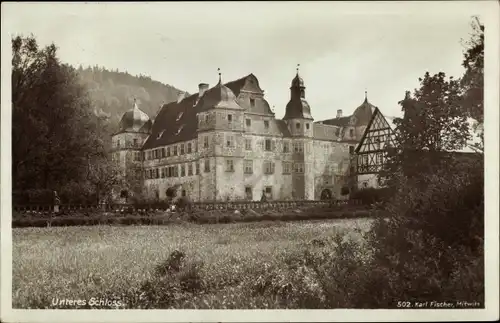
(179, 130)
(160, 134)
(252, 102)
(179, 116)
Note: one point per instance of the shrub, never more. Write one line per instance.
(368, 196)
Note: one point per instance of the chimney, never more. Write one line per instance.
(180, 96)
(339, 113)
(202, 88)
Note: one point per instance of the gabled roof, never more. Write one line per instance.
(377, 115)
(178, 121)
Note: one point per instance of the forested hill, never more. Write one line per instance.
(112, 92)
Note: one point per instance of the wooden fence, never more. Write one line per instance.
(235, 205)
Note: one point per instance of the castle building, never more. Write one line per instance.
(225, 143)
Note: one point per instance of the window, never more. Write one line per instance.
(168, 151)
(229, 118)
(287, 167)
(269, 192)
(205, 141)
(138, 174)
(175, 150)
(207, 165)
(190, 169)
(163, 173)
(377, 141)
(157, 173)
(183, 193)
(181, 148)
(198, 168)
(143, 155)
(249, 122)
(248, 166)
(136, 142)
(268, 145)
(163, 152)
(299, 168)
(183, 170)
(268, 167)
(351, 132)
(297, 125)
(195, 146)
(155, 154)
(137, 156)
(206, 118)
(179, 130)
(298, 147)
(351, 149)
(189, 148)
(266, 124)
(307, 126)
(248, 193)
(118, 144)
(252, 102)
(229, 165)
(230, 141)
(286, 147)
(248, 144)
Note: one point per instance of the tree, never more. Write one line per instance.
(103, 174)
(53, 124)
(433, 122)
(473, 78)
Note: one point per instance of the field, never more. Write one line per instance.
(113, 261)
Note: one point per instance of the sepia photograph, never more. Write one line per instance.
(272, 158)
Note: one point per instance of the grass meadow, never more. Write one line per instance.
(120, 261)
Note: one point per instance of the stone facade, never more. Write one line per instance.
(224, 143)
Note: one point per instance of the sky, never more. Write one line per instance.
(343, 49)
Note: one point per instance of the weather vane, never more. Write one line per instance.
(218, 70)
(298, 65)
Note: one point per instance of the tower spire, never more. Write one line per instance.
(298, 66)
(366, 95)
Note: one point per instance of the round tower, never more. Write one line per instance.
(133, 130)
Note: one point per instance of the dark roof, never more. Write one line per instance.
(167, 125)
(297, 81)
(283, 128)
(297, 108)
(135, 120)
(177, 121)
(339, 122)
(363, 113)
(237, 85)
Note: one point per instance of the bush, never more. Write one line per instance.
(33, 196)
(368, 196)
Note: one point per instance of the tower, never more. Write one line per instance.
(300, 124)
(134, 128)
